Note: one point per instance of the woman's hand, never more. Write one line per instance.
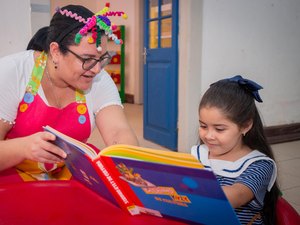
(38, 147)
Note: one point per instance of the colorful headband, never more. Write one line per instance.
(248, 85)
(95, 24)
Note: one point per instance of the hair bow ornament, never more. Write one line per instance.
(248, 85)
(98, 22)
(95, 24)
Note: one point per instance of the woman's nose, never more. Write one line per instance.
(96, 69)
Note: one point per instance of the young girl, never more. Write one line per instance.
(235, 148)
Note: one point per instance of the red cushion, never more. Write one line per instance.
(286, 214)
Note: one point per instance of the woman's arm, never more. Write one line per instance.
(114, 127)
(35, 147)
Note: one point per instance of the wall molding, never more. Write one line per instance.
(283, 133)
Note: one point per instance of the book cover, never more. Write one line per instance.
(188, 194)
(156, 182)
(80, 162)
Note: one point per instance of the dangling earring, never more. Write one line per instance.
(244, 134)
(55, 65)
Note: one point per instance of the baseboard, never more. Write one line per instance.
(129, 98)
(283, 133)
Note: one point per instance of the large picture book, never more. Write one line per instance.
(143, 180)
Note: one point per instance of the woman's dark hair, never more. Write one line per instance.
(38, 42)
(238, 106)
(62, 29)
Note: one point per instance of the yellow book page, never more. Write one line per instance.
(152, 155)
(135, 152)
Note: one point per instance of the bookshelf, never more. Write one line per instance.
(116, 68)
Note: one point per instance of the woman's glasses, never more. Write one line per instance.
(89, 63)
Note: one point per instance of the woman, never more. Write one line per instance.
(59, 82)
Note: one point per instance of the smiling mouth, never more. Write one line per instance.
(210, 144)
(88, 76)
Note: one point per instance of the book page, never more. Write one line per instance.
(152, 155)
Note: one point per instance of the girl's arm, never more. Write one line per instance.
(238, 194)
(252, 183)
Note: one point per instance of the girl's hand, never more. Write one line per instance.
(38, 147)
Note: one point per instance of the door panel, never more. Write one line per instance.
(160, 72)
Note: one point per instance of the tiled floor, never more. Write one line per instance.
(287, 156)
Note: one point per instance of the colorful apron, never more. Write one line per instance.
(34, 113)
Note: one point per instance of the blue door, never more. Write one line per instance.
(161, 72)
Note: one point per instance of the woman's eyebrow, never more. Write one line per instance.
(93, 56)
(89, 55)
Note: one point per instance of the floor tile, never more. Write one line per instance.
(293, 197)
(287, 150)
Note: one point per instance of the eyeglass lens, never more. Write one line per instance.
(90, 63)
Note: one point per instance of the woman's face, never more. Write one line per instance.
(219, 134)
(72, 71)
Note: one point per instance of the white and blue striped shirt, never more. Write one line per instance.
(255, 170)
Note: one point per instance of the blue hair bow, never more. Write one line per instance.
(248, 85)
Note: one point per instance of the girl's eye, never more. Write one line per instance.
(220, 129)
(203, 126)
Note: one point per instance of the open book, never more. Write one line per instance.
(142, 180)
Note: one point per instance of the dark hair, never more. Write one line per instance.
(38, 41)
(62, 29)
(238, 106)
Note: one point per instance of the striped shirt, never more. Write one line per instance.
(255, 170)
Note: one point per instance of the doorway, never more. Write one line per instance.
(161, 72)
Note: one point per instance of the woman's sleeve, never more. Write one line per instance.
(10, 89)
(104, 92)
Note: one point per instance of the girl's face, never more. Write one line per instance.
(219, 134)
(72, 72)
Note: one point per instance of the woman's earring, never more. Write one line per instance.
(244, 134)
(55, 65)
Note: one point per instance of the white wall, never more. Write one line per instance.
(258, 39)
(15, 26)
(40, 14)
(189, 78)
